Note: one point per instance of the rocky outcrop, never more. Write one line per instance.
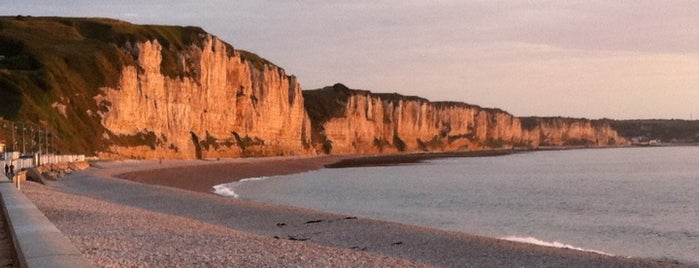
(228, 107)
(118, 90)
(355, 121)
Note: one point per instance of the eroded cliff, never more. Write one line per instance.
(118, 90)
(114, 89)
(356, 121)
(227, 107)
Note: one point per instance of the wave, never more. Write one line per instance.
(227, 189)
(554, 244)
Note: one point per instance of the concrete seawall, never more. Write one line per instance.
(37, 242)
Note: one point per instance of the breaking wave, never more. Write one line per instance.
(555, 244)
(227, 189)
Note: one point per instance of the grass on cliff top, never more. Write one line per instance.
(326, 103)
(665, 130)
(329, 102)
(531, 122)
(46, 60)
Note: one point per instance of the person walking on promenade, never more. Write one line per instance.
(7, 170)
(12, 169)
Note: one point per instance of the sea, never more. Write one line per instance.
(636, 202)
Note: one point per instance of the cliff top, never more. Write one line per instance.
(49, 61)
(339, 93)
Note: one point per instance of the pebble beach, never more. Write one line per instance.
(118, 217)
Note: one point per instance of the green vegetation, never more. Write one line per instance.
(398, 143)
(209, 142)
(469, 136)
(680, 131)
(395, 98)
(494, 143)
(197, 146)
(523, 144)
(246, 142)
(529, 123)
(326, 103)
(254, 59)
(381, 143)
(435, 143)
(66, 61)
(323, 105)
(327, 146)
(141, 139)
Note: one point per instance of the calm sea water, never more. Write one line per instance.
(640, 202)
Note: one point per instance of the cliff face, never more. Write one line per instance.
(228, 107)
(557, 131)
(115, 89)
(350, 121)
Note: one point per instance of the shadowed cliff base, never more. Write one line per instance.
(414, 158)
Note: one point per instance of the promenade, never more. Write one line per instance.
(7, 251)
(28, 238)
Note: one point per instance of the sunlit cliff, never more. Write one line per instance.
(117, 90)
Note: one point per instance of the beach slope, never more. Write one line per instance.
(117, 222)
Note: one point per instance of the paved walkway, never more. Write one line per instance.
(7, 251)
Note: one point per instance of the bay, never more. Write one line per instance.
(636, 202)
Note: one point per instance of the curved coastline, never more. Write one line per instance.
(412, 243)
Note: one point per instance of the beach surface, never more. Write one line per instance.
(163, 214)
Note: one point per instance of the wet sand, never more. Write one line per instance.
(98, 202)
(202, 175)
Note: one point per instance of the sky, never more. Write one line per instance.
(622, 59)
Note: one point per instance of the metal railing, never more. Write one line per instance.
(27, 137)
(11, 159)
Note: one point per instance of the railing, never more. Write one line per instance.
(38, 160)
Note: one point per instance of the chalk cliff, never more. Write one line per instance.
(114, 89)
(356, 121)
(229, 106)
(118, 90)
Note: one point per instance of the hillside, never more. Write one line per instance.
(665, 131)
(111, 88)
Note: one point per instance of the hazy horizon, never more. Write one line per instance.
(592, 59)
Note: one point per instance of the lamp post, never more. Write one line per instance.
(14, 142)
(41, 134)
(24, 143)
(47, 142)
(31, 140)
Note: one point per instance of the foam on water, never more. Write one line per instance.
(554, 244)
(227, 189)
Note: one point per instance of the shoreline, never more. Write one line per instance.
(397, 242)
(202, 175)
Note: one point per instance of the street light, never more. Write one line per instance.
(41, 133)
(24, 143)
(14, 141)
